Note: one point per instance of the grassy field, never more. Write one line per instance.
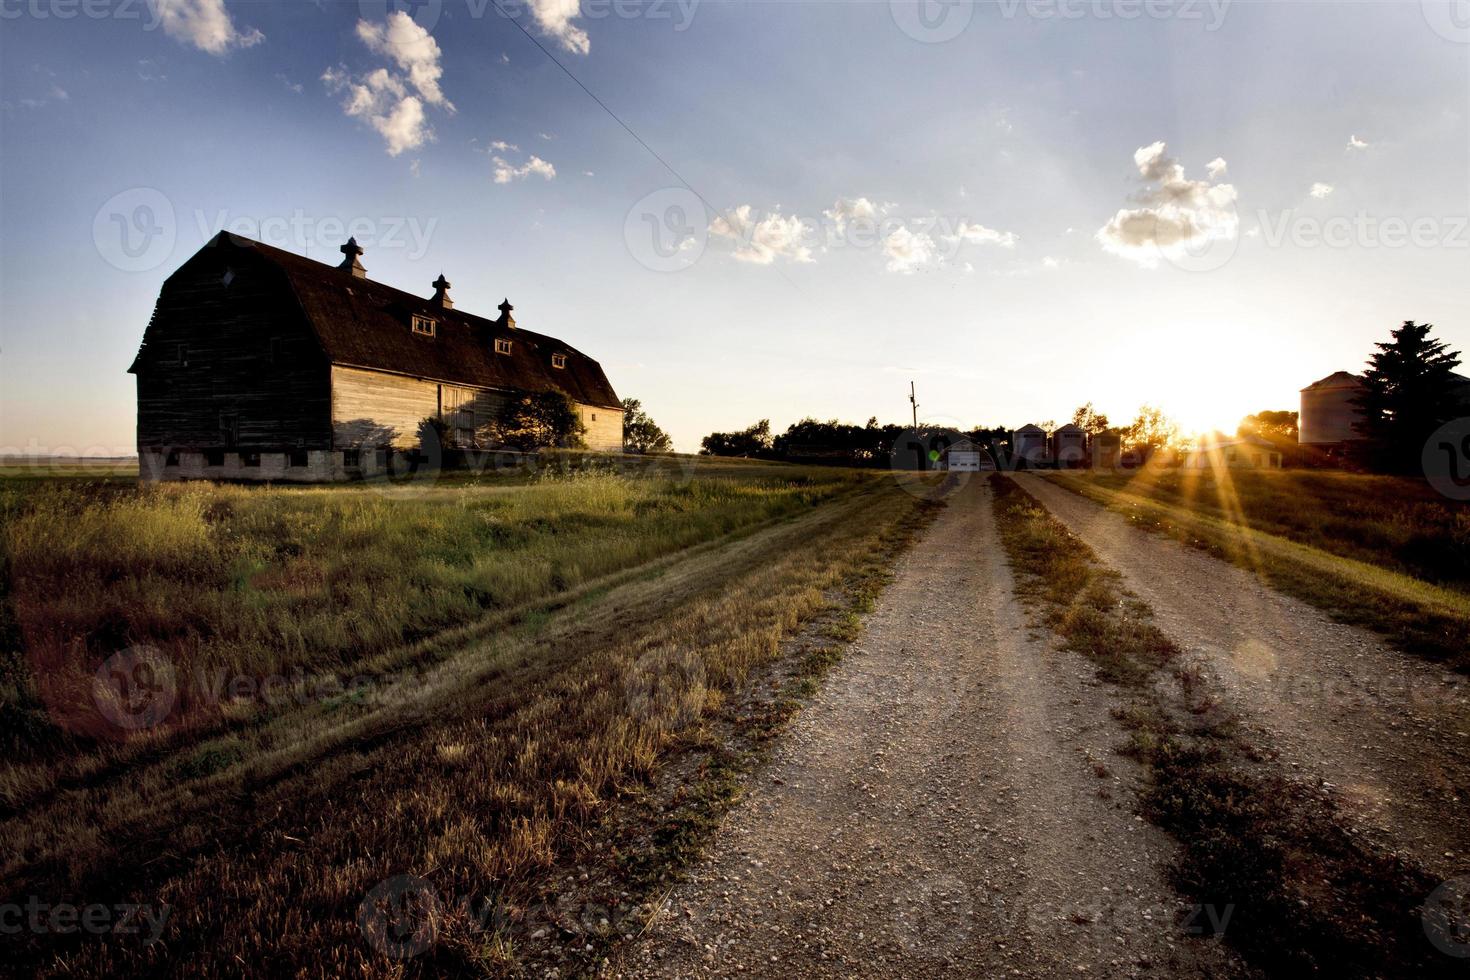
(459, 682)
(1308, 897)
(1386, 553)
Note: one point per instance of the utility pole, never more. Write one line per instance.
(914, 402)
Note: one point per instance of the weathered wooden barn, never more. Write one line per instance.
(262, 364)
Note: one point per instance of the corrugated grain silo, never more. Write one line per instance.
(1328, 412)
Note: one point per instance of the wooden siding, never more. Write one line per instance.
(229, 362)
(604, 428)
(370, 408)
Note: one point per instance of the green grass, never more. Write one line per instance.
(1307, 897)
(1337, 541)
(1398, 523)
(259, 581)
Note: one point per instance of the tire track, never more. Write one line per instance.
(938, 810)
(1389, 733)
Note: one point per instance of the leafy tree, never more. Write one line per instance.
(1090, 421)
(754, 441)
(1279, 428)
(641, 434)
(1151, 431)
(531, 420)
(1408, 392)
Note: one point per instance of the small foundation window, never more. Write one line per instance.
(171, 458)
(424, 325)
(558, 360)
(296, 459)
(250, 459)
(214, 457)
(351, 457)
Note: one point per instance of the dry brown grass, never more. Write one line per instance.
(506, 744)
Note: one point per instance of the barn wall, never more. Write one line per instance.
(370, 408)
(229, 362)
(604, 428)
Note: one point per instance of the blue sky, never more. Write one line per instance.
(873, 204)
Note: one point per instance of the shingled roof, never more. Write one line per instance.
(366, 324)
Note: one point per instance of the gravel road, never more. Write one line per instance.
(948, 805)
(1388, 731)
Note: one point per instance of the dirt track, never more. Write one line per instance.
(1390, 732)
(949, 805)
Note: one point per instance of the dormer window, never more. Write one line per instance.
(558, 360)
(424, 325)
(502, 346)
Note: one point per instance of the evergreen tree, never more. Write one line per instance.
(1407, 394)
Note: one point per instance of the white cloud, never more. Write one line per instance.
(1357, 144)
(907, 250)
(546, 136)
(412, 49)
(501, 146)
(1177, 214)
(555, 17)
(205, 24)
(1320, 190)
(1216, 168)
(763, 241)
(981, 235)
(843, 211)
(505, 171)
(383, 97)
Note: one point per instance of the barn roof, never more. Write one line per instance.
(366, 324)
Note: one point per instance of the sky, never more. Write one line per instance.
(761, 209)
